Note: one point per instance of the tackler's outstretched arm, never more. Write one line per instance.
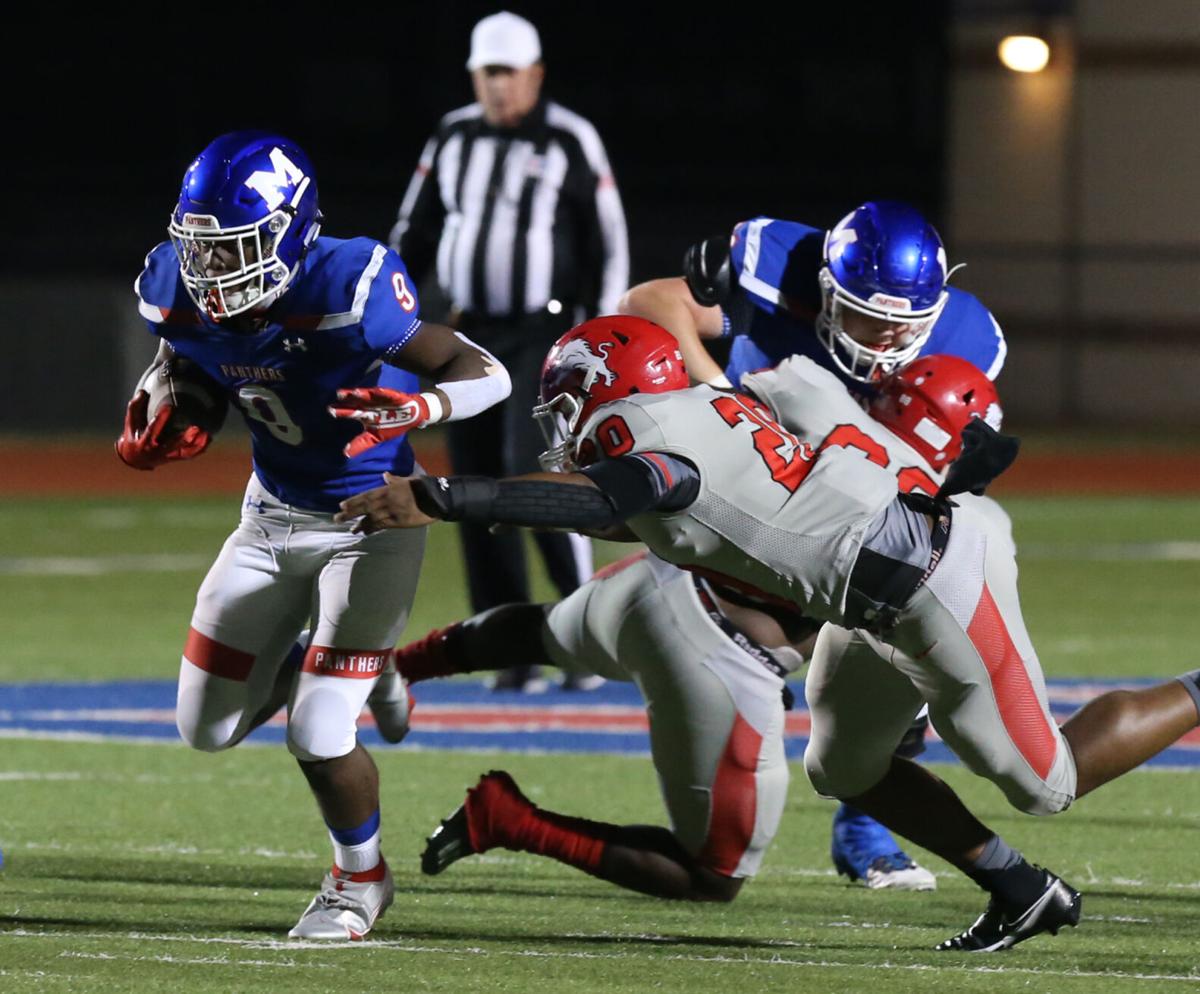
(599, 497)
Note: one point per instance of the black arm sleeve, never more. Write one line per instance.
(530, 503)
(625, 487)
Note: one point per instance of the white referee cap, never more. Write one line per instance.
(504, 39)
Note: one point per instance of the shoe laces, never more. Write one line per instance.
(332, 899)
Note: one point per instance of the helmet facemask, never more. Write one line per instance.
(558, 419)
(257, 275)
(862, 362)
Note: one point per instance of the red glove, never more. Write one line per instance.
(143, 446)
(383, 413)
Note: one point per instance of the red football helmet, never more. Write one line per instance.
(931, 400)
(594, 363)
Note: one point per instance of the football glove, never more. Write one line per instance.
(985, 455)
(145, 445)
(383, 414)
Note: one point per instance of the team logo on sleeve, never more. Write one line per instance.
(578, 354)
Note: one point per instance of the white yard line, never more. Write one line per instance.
(1111, 551)
(102, 565)
(287, 964)
(746, 959)
(185, 562)
(162, 849)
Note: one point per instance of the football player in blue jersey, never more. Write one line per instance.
(861, 299)
(319, 343)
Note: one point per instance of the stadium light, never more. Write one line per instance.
(1024, 53)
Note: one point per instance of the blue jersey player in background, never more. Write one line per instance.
(319, 344)
(861, 299)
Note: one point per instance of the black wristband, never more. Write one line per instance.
(456, 498)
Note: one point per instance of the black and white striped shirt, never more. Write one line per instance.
(517, 218)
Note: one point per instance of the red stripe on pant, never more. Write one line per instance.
(216, 658)
(352, 664)
(1019, 707)
(734, 801)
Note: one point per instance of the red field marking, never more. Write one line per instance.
(92, 469)
(1115, 472)
(31, 469)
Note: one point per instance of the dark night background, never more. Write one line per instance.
(710, 115)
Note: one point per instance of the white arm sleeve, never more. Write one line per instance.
(469, 397)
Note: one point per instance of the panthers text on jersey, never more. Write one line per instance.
(775, 264)
(351, 307)
(774, 512)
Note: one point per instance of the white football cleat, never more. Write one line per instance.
(902, 873)
(390, 703)
(864, 850)
(345, 910)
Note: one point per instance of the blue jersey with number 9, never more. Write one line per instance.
(351, 307)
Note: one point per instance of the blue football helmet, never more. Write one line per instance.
(886, 261)
(247, 215)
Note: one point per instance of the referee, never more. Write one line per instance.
(514, 201)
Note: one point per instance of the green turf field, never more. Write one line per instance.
(139, 868)
(103, 589)
(152, 868)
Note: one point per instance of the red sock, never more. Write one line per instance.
(498, 814)
(432, 656)
(577, 842)
(365, 876)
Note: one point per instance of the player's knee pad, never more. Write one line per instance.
(834, 773)
(211, 735)
(1036, 792)
(323, 720)
(1038, 800)
(208, 716)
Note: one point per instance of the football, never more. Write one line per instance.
(198, 399)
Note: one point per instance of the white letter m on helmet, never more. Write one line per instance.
(270, 185)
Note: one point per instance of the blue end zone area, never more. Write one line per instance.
(451, 714)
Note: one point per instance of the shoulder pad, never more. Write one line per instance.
(707, 271)
(159, 290)
(623, 426)
(966, 328)
(803, 395)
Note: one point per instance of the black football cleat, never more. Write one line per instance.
(450, 842)
(996, 929)
(494, 809)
